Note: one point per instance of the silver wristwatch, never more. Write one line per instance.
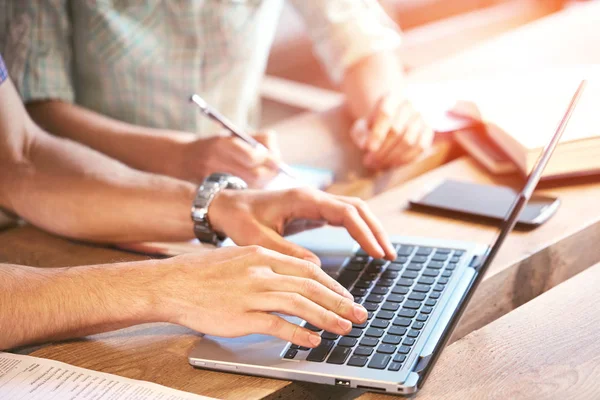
(206, 192)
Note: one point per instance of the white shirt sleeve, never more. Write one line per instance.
(344, 31)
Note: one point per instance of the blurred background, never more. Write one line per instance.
(432, 30)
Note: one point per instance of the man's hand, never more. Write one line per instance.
(202, 157)
(393, 134)
(234, 292)
(260, 218)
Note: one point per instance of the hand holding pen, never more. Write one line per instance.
(259, 147)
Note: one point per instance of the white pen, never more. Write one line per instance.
(225, 123)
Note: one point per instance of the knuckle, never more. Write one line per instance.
(295, 300)
(275, 324)
(327, 317)
(296, 333)
(258, 275)
(301, 194)
(256, 250)
(310, 287)
(312, 271)
(349, 210)
(342, 305)
(360, 203)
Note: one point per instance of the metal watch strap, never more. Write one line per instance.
(206, 192)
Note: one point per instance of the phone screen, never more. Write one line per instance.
(486, 201)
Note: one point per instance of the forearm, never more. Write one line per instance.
(73, 191)
(146, 149)
(43, 304)
(369, 79)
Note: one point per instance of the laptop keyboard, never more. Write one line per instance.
(399, 297)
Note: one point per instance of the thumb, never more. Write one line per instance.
(272, 240)
(380, 121)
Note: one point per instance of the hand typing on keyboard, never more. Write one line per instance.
(399, 296)
(259, 218)
(234, 291)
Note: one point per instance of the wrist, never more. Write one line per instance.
(164, 297)
(130, 293)
(178, 154)
(166, 214)
(179, 167)
(213, 205)
(219, 209)
(362, 91)
(147, 299)
(148, 287)
(184, 199)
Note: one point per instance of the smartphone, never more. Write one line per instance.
(463, 199)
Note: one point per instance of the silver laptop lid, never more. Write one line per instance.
(426, 363)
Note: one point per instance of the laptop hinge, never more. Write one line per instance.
(422, 364)
(477, 262)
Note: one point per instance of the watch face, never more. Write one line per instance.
(218, 176)
(233, 182)
(236, 183)
(206, 192)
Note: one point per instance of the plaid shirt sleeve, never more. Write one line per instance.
(37, 46)
(3, 73)
(344, 31)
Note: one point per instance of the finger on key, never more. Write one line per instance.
(373, 223)
(269, 324)
(321, 295)
(296, 305)
(286, 265)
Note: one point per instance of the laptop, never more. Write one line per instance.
(414, 304)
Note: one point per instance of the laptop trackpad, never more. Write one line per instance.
(331, 244)
(252, 349)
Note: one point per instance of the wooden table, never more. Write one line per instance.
(530, 264)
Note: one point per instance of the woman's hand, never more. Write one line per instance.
(394, 133)
(260, 218)
(234, 291)
(229, 154)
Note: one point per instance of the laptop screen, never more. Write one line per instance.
(426, 364)
(520, 202)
